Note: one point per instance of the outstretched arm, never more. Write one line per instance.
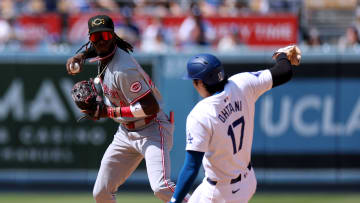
(188, 173)
(281, 72)
(285, 57)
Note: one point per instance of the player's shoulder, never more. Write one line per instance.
(123, 61)
(246, 77)
(202, 109)
(199, 107)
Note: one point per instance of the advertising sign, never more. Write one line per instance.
(38, 127)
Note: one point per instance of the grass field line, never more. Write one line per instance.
(148, 197)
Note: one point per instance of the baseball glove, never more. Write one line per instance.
(292, 52)
(87, 99)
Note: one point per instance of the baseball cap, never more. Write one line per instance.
(100, 23)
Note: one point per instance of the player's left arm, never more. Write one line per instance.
(198, 136)
(285, 57)
(188, 173)
(281, 72)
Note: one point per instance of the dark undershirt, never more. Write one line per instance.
(281, 72)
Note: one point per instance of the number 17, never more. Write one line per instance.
(231, 133)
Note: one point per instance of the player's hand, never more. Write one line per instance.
(78, 58)
(292, 52)
(100, 111)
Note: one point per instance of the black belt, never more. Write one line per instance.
(232, 181)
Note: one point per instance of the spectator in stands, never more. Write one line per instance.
(312, 38)
(195, 30)
(277, 6)
(65, 7)
(210, 7)
(230, 40)
(7, 9)
(5, 32)
(155, 36)
(128, 29)
(350, 40)
(108, 5)
(35, 7)
(149, 8)
(357, 17)
(175, 8)
(231, 8)
(259, 6)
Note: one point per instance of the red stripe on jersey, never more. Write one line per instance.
(141, 96)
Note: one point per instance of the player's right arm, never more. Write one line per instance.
(146, 106)
(80, 59)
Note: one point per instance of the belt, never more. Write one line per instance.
(232, 181)
(139, 123)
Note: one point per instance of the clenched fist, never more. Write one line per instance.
(292, 52)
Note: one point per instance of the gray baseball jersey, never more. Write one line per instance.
(124, 83)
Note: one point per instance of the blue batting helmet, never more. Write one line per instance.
(205, 67)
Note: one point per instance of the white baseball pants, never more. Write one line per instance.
(224, 192)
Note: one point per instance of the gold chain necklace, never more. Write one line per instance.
(97, 78)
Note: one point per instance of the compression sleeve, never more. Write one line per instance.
(188, 173)
(281, 72)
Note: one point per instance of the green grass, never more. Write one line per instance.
(72, 198)
(149, 198)
(306, 198)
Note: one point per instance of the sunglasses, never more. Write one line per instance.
(94, 37)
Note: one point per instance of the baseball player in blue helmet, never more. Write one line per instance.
(219, 129)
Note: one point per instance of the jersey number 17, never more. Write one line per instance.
(232, 135)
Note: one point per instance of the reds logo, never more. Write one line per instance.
(97, 21)
(135, 87)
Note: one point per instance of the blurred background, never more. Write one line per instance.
(307, 132)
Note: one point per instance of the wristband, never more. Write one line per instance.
(111, 112)
(126, 112)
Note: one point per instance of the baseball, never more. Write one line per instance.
(75, 68)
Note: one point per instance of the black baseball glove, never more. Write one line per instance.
(86, 97)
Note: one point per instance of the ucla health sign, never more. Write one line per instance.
(309, 116)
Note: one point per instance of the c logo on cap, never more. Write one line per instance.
(97, 22)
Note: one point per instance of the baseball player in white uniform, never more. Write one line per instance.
(132, 100)
(219, 129)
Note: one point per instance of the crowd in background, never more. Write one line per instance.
(155, 37)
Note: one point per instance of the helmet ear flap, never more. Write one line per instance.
(215, 76)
